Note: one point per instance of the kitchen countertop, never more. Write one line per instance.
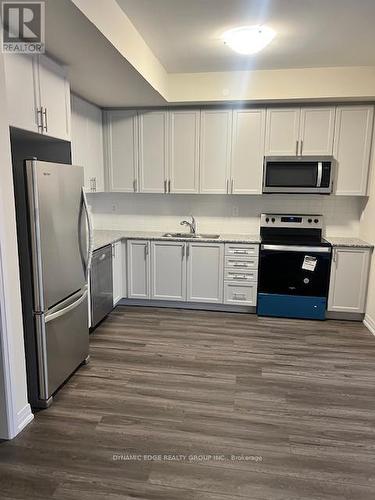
(106, 237)
(337, 241)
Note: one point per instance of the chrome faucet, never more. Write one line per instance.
(192, 225)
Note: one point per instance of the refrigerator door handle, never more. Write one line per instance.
(91, 235)
(54, 314)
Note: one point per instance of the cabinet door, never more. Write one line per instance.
(21, 90)
(138, 253)
(205, 281)
(316, 131)
(184, 151)
(87, 142)
(247, 151)
(349, 276)
(168, 270)
(153, 151)
(117, 271)
(55, 98)
(121, 150)
(352, 146)
(282, 131)
(216, 127)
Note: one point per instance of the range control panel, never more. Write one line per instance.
(293, 221)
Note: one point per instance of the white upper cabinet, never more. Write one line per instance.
(300, 131)
(205, 269)
(54, 98)
(153, 152)
(352, 146)
(282, 131)
(22, 91)
(121, 150)
(247, 151)
(168, 270)
(215, 150)
(348, 282)
(184, 151)
(38, 95)
(138, 269)
(317, 126)
(87, 142)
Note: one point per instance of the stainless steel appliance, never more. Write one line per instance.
(101, 284)
(298, 174)
(294, 267)
(61, 257)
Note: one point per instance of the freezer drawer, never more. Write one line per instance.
(63, 338)
(101, 284)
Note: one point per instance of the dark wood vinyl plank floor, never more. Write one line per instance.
(193, 405)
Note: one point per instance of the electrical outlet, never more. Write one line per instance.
(235, 211)
(113, 208)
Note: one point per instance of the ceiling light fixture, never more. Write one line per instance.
(248, 39)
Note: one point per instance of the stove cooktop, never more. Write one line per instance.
(294, 241)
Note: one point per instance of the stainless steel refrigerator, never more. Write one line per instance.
(59, 231)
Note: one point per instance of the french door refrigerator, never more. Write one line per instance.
(60, 254)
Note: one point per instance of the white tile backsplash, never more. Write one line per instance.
(219, 213)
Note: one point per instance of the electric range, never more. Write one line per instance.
(294, 268)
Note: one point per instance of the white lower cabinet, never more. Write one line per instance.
(138, 269)
(168, 270)
(241, 274)
(205, 265)
(348, 282)
(117, 271)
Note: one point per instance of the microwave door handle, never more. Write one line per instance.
(320, 174)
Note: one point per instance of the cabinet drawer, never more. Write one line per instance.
(241, 294)
(234, 275)
(241, 262)
(241, 250)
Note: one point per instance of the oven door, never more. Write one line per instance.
(296, 175)
(293, 281)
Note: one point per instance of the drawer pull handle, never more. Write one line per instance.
(239, 296)
(236, 264)
(241, 252)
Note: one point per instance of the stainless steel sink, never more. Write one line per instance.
(192, 236)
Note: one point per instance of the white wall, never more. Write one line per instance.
(12, 345)
(216, 213)
(367, 232)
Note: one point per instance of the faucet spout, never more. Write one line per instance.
(192, 225)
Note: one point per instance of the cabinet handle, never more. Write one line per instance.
(232, 188)
(165, 186)
(183, 250)
(39, 115)
(146, 250)
(240, 252)
(45, 119)
(227, 186)
(169, 186)
(301, 148)
(93, 184)
(187, 250)
(297, 142)
(239, 296)
(135, 185)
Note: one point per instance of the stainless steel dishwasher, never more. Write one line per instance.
(101, 284)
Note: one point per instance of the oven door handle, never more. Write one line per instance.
(289, 248)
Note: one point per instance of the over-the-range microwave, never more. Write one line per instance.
(298, 174)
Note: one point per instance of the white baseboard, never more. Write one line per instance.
(369, 323)
(24, 417)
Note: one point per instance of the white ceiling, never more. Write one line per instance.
(185, 34)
